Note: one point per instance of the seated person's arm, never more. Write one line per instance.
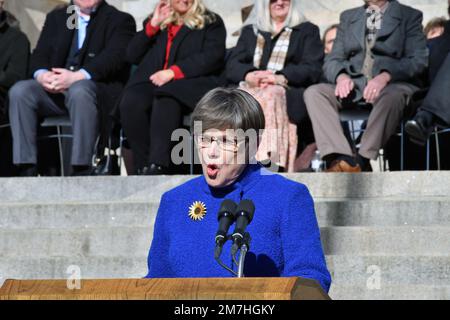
(16, 69)
(141, 43)
(415, 55)
(336, 62)
(111, 60)
(309, 69)
(240, 62)
(211, 57)
(40, 59)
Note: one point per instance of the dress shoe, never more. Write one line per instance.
(82, 171)
(107, 166)
(152, 170)
(28, 170)
(364, 163)
(343, 166)
(418, 129)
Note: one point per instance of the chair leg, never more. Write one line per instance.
(402, 146)
(61, 156)
(438, 151)
(428, 154)
(353, 136)
(381, 160)
(121, 149)
(95, 150)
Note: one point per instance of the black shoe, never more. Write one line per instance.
(364, 163)
(82, 171)
(419, 129)
(154, 170)
(28, 170)
(107, 166)
(141, 171)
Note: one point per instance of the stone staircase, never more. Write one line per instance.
(386, 236)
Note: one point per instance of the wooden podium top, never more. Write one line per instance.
(166, 289)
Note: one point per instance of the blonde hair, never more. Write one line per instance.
(261, 19)
(196, 18)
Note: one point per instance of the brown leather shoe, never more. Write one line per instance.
(344, 166)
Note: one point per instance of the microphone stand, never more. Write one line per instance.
(244, 249)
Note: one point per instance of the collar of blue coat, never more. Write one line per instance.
(248, 178)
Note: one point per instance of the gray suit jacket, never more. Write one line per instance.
(400, 47)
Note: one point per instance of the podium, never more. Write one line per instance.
(166, 289)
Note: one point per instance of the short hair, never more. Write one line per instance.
(438, 22)
(333, 26)
(229, 108)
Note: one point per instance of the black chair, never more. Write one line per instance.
(362, 113)
(436, 132)
(59, 122)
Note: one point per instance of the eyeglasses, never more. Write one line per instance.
(274, 1)
(224, 143)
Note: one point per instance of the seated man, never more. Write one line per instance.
(377, 57)
(328, 38)
(435, 108)
(14, 55)
(78, 60)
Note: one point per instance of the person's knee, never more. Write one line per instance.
(132, 103)
(83, 90)
(277, 91)
(391, 99)
(162, 102)
(313, 92)
(22, 90)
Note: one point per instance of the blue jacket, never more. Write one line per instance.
(284, 231)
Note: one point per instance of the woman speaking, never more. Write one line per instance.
(284, 230)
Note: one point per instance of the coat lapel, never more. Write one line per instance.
(64, 43)
(184, 31)
(391, 19)
(358, 24)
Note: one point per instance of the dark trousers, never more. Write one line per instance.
(437, 100)
(148, 121)
(7, 168)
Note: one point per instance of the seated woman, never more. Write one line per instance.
(277, 56)
(180, 55)
(284, 230)
(14, 57)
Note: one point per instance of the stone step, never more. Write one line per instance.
(331, 212)
(321, 185)
(93, 242)
(391, 270)
(136, 241)
(356, 272)
(386, 240)
(392, 292)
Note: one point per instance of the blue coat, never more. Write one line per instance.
(284, 231)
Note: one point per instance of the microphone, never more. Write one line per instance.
(243, 215)
(226, 219)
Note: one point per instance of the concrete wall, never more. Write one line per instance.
(322, 12)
